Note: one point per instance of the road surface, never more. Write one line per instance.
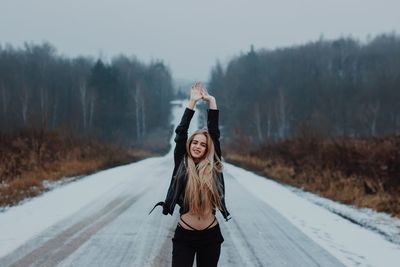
(116, 230)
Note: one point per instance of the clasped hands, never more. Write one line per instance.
(199, 92)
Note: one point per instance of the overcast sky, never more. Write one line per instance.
(189, 36)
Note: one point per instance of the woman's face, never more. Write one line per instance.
(198, 146)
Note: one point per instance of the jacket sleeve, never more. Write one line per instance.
(213, 129)
(181, 136)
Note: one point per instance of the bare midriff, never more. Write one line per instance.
(196, 221)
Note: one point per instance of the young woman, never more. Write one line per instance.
(197, 186)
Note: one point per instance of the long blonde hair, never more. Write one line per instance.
(201, 193)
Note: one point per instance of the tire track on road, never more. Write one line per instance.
(163, 258)
(64, 244)
(250, 248)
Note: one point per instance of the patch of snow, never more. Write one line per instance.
(380, 222)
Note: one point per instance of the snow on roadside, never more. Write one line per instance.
(351, 243)
(48, 185)
(380, 222)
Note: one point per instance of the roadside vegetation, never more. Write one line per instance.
(30, 159)
(359, 171)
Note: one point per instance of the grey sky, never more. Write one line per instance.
(189, 35)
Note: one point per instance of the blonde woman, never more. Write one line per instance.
(197, 186)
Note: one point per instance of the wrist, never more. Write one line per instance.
(212, 104)
(191, 103)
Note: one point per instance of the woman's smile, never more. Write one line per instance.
(198, 146)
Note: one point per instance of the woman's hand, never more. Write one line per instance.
(212, 103)
(199, 92)
(206, 96)
(196, 92)
(195, 95)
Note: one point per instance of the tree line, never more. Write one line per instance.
(121, 101)
(331, 88)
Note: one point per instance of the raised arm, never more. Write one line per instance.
(182, 129)
(213, 121)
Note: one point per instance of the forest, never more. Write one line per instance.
(63, 118)
(121, 102)
(330, 88)
(323, 116)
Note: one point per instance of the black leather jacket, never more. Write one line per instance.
(176, 190)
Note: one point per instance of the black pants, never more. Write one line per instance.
(206, 245)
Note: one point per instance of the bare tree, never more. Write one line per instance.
(258, 122)
(83, 97)
(282, 115)
(24, 94)
(140, 116)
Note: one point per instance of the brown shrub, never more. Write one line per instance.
(30, 157)
(364, 172)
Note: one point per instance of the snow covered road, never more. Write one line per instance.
(116, 230)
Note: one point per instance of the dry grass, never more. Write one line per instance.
(29, 158)
(362, 172)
